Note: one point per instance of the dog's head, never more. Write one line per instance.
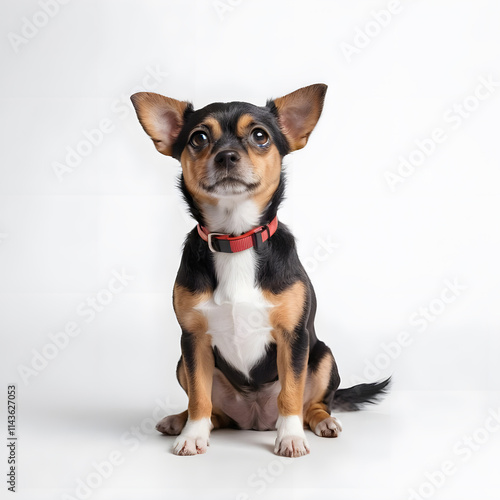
(230, 150)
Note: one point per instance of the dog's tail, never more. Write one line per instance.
(356, 397)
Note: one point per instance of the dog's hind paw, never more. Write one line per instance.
(330, 427)
(172, 425)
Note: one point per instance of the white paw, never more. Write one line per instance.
(330, 427)
(291, 446)
(193, 439)
(291, 440)
(190, 446)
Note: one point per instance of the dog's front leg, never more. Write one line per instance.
(198, 363)
(288, 318)
(292, 352)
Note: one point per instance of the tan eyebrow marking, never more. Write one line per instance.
(214, 127)
(244, 122)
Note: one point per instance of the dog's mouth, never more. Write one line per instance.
(230, 185)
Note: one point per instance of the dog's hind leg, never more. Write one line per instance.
(322, 381)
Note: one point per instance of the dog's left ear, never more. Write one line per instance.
(299, 112)
(161, 117)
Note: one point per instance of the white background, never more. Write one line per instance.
(118, 209)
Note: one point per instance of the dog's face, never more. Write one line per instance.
(231, 149)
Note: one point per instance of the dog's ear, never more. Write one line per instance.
(161, 117)
(299, 112)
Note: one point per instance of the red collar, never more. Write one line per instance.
(226, 243)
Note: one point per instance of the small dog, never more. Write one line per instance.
(245, 305)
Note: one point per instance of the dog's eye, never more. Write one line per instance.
(199, 140)
(260, 137)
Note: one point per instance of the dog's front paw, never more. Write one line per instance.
(291, 446)
(330, 427)
(193, 439)
(291, 440)
(186, 446)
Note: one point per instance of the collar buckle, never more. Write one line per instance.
(209, 241)
(257, 236)
(226, 243)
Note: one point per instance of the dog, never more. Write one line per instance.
(250, 356)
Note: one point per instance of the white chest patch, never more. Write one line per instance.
(237, 314)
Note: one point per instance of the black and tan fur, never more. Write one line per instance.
(296, 376)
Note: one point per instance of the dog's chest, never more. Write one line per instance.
(237, 313)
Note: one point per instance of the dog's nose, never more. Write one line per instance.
(227, 158)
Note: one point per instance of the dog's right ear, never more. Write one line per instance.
(161, 117)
